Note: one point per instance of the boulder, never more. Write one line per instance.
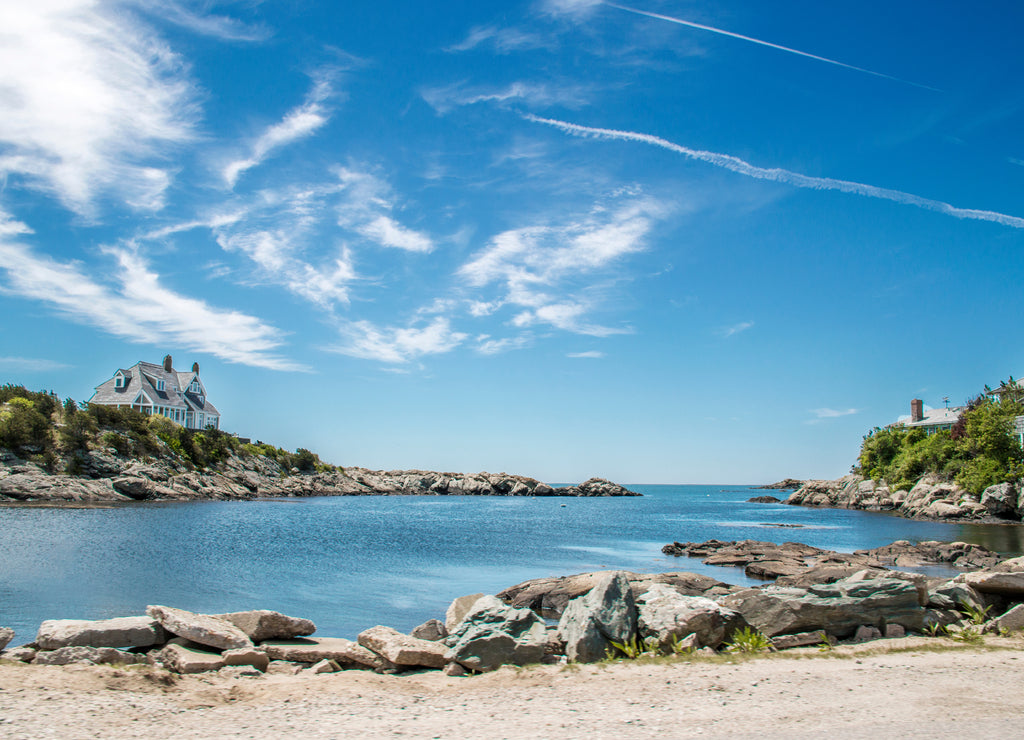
(121, 632)
(995, 582)
(493, 634)
(1001, 500)
(866, 633)
(432, 629)
(203, 629)
(800, 639)
(604, 614)
(457, 610)
(23, 654)
(1009, 622)
(184, 658)
(6, 635)
(1013, 565)
(667, 616)
(403, 650)
(89, 655)
(953, 595)
(549, 596)
(325, 666)
(247, 656)
(315, 649)
(838, 608)
(262, 624)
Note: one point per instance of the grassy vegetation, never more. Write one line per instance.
(38, 426)
(979, 451)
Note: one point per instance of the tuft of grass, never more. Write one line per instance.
(749, 640)
(975, 614)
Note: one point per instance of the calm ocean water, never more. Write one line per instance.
(349, 563)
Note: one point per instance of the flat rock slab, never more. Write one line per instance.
(403, 650)
(262, 624)
(200, 628)
(314, 649)
(247, 657)
(83, 654)
(989, 582)
(187, 659)
(121, 632)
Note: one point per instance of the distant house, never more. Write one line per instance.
(931, 420)
(160, 389)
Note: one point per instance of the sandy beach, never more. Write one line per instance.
(893, 688)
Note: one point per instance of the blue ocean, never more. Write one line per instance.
(349, 563)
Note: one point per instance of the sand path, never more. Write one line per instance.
(866, 694)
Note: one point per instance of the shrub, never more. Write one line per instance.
(22, 425)
(78, 431)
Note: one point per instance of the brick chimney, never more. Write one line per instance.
(167, 363)
(195, 368)
(916, 410)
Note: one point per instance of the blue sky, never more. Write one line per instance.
(656, 242)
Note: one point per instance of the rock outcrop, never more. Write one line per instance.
(930, 498)
(592, 622)
(493, 634)
(107, 477)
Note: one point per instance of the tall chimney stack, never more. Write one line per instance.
(167, 363)
(195, 368)
(916, 410)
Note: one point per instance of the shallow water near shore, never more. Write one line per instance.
(349, 563)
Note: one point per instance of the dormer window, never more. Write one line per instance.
(119, 381)
(159, 385)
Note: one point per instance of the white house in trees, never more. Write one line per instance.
(160, 389)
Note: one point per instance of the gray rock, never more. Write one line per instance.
(325, 666)
(992, 582)
(6, 635)
(261, 624)
(239, 671)
(866, 633)
(894, 631)
(89, 655)
(403, 650)
(189, 659)
(203, 629)
(454, 669)
(800, 639)
(591, 622)
(247, 656)
(1001, 500)
(457, 610)
(23, 654)
(119, 632)
(315, 649)
(1010, 621)
(953, 595)
(432, 629)
(665, 615)
(838, 608)
(493, 634)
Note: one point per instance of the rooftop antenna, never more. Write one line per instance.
(945, 400)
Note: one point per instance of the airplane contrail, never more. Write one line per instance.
(735, 164)
(770, 45)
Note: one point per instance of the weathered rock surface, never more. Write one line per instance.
(458, 609)
(182, 658)
(995, 582)
(800, 639)
(838, 608)
(261, 624)
(604, 614)
(403, 650)
(203, 629)
(764, 500)
(549, 596)
(6, 635)
(667, 616)
(83, 654)
(954, 595)
(432, 629)
(121, 632)
(493, 634)
(314, 649)
(930, 498)
(254, 657)
(1010, 621)
(23, 654)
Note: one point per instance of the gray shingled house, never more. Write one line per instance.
(156, 389)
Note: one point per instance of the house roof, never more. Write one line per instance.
(935, 417)
(144, 377)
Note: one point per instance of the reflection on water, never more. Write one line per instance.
(349, 563)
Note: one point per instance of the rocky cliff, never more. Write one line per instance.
(930, 498)
(106, 476)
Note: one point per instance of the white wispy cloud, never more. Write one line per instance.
(590, 355)
(1014, 160)
(389, 233)
(761, 42)
(534, 265)
(737, 328)
(735, 164)
(397, 345)
(90, 98)
(31, 364)
(297, 124)
(135, 305)
(535, 94)
(366, 205)
(502, 40)
(487, 345)
(573, 8)
(222, 27)
(827, 413)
